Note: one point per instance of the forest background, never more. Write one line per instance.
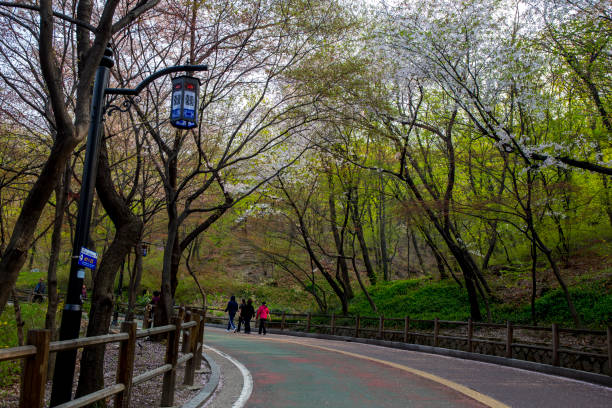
(424, 158)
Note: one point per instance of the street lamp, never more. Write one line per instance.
(81, 256)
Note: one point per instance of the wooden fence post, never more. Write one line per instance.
(125, 366)
(34, 375)
(167, 399)
(509, 336)
(186, 333)
(357, 324)
(333, 323)
(190, 365)
(555, 344)
(200, 316)
(436, 332)
(381, 326)
(283, 322)
(470, 334)
(146, 318)
(406, 328)
(609, 350)
(308, 322)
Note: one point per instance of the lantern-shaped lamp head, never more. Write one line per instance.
(185, 91)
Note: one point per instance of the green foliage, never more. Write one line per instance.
(423, 299)
(592, 302)
(33, 315)
(417, 298)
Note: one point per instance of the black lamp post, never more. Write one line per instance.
(82, 257)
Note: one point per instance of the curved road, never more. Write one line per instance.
(302, 372)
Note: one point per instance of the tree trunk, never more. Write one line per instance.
(344, 277)
(193, 251)
(415, 245)
(18, 319)
(606, 198)
(361, 285)
(128, 230)
(553, 264)
(61, 202)
(491, 248)
(408, 232)
(164, 308)
(534, 262)
(135, 278)
(382, 220)
(16, 251)
(354, 202)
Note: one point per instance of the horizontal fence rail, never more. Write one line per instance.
(187, 328)
(581, 349)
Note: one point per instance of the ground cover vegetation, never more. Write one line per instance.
(434, 158)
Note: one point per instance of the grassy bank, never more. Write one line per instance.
(424, 299)
(33, 315)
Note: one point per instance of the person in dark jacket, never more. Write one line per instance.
(39, 290)
(248, 311)
(240, 310)
(231, 309)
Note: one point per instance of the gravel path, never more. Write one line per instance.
(149, 355)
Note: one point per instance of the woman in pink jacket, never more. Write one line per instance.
(262, 315)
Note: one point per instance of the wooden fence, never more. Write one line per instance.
(587, 350)
(36, 355)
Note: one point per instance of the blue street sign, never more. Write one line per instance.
(88, 258)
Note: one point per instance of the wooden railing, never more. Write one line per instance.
(469, 336)
(36, 355)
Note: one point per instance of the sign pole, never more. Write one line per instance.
(71, 315)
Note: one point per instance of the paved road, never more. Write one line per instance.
(302, 372)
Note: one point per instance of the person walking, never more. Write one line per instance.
(248, 311)
(262, 315)
(83, 293)
(39, 290)
(231, 309)
(240, 311)
(156, 297)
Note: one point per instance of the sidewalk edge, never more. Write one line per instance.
(203, 396)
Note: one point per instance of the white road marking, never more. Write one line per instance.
(247, 384)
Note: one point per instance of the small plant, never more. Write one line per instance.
(33, 315)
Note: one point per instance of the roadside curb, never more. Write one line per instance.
(585, 376)
(203, 396)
